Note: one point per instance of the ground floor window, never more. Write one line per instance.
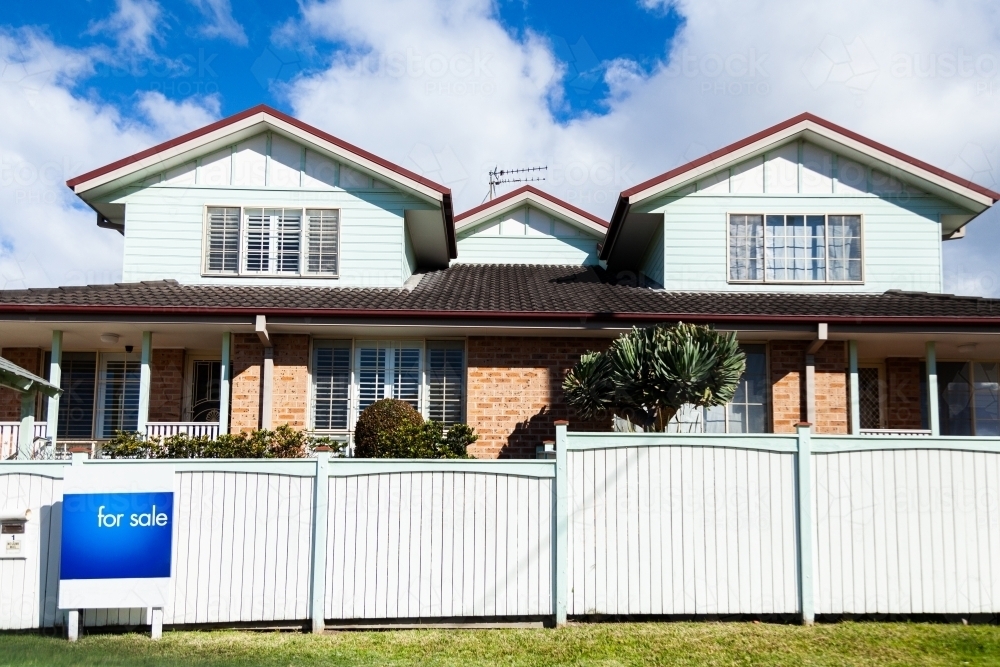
(746, 413)
(348, 376)
(969, 398)
(100, 394)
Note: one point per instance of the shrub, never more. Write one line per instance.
(379, 418)
(426, 441)
(281, 443)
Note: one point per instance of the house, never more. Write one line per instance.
(273, 273)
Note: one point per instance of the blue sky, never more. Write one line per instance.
(605, 94)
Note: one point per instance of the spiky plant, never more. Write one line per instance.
(648, 374)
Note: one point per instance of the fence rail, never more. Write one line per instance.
(9, 434)
(193, 429)
(617, 524)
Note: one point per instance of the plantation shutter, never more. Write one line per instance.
(388, 370)
(223, 240)
(258, 242)
(445, 381)
(119, 393)
(332, 384)
(322, 241)
(286, 225)
(406, 375)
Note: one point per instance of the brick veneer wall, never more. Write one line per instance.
(514, 392)
(248, 357)
(166, 385)
(290, 391)
(788, 389)
(28, 358)
(902, 393)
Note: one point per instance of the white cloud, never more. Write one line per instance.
(221, 24)
(135, 24)
(443, 75)
(48, 135)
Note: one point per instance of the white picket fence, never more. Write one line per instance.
(616, 525)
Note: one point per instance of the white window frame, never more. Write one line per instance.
(764, 256)
(354, 395)
(242, 272)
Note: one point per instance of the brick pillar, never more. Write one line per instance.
(903, 397)
(831, 389)
(788, 373)
(514, 392)
(290, 396)
(248, 358)
(28, 358)
(166, 385)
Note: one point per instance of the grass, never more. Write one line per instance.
(590, 644)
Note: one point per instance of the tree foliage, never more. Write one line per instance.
(648, 374)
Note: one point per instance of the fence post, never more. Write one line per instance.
(803, 491)
(562, 524)
(321, 515)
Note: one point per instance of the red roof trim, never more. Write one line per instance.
(493, 315)
(538, 193)
(260, 108)
(830, 126)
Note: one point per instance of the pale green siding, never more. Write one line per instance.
(527, 236)
(652, 265)
(901, 230)
(164, 218)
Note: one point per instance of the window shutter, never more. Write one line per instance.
(258, 241)
(119, 388)
(287, 229)
(332, 384)
(322, 241)
(406, 375)
(223, 240)
(445, 381)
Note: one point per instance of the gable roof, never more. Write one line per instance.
(251, 122)
(499, 293)
(820, 131)
(527, 194)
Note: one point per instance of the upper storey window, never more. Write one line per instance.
(795, 248)
(272, 241)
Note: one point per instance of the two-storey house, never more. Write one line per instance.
(274, 274)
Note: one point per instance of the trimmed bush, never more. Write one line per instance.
(426, 441)
(282, 443)
(379, 419)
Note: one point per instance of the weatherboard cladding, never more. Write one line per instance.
(481, 290)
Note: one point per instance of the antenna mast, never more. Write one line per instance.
(525, 175)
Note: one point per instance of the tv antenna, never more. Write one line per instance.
(525, 175)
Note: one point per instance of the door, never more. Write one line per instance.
(205, 391)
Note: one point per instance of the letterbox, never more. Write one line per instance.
(14, 534)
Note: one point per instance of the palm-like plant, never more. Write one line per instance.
(648, 374)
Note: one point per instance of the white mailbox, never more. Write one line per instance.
(14, 534)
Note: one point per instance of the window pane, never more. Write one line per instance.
(869, 398)
(796, 248)
(845, 247)
(777, 259)
(406, 375)
(322, 230)
(986, 393)
(748, 410)
(258, 241)
(331, 384)
(119, 385)
(286, 225)
(223, 240)
(715, 419)
(445, 379)
(372, 358)
(76, 405)
(746, 247)
(955, 398)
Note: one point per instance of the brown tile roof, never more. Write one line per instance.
(499, 291)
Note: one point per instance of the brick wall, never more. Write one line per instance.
(832, 412)
(28, 358)
(290, 391)
(514, 392)
(248, 358)
(788, 389)
(902, 393)
(166, 385)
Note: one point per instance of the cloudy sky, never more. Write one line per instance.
(604, 94)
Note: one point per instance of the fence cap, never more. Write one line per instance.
(322, 448)
(79, 449)
(561, 422)
(805, 424)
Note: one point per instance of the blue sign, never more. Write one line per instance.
(116, 535)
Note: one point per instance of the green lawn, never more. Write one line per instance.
(591, 644)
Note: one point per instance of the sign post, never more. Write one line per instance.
(117, 539)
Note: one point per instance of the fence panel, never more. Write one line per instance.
(907, 531)
(681, 530)
(439, 543)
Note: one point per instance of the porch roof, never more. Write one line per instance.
(20, 380)
(504, 291)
